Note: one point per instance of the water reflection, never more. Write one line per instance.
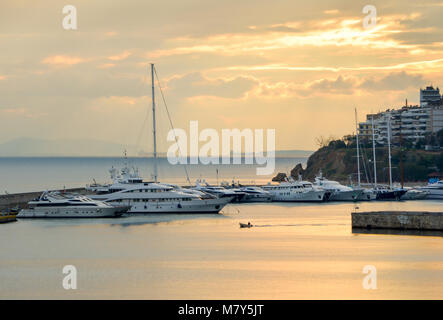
(430, 233)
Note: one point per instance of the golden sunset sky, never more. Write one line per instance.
(297, 66)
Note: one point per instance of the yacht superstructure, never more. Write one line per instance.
(218, 191)
(255, 194)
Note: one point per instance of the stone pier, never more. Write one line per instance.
(404, 220)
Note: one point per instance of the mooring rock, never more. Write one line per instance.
(298, 170)
(279, 177)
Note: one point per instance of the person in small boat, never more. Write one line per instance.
(249, 224)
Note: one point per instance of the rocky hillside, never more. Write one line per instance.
(338, 162)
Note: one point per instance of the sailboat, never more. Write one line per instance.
(155, 197)
(382, 192)
(366, 194)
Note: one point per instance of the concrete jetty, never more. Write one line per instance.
(403, 220)
(20, 200)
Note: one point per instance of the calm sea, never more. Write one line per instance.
(295, 251)
(38, 174)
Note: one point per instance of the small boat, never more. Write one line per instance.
(246, 225)
(415, 194)
(435, 189)
(8, 216)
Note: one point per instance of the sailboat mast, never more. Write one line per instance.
(358, 151)
(153, 125)
(389, 152)
(373, 152)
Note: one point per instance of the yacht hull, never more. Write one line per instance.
(111, 212)
(175, 207)
(351, 195)
(311, 196)
(256, 198)
(390, 195)
(434, 193)
(414, 195)
(367, 195)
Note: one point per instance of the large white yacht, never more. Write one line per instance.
(291, 190)
(151, 197)
(338, 192)
(435, 190)
(128, 188)
(66, 205)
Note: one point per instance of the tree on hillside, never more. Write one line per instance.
(322, 141)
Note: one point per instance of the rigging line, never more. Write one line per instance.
(170, 122)
(137, 143)
(364, 163)
(138, 88)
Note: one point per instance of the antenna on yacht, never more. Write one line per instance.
(153, 124)
(358, 151)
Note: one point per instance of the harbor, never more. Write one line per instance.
(224, 156)
(297, 251)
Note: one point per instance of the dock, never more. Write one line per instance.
(20, 200)
(399, 220)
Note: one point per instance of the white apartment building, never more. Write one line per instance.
(409, 122)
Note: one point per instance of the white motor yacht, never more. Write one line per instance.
(151, 197)
(66, 205)
(298, 191)
(415, 194)
(435, 190)
(338, 192)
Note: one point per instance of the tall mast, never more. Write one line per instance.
(389, 151)
(373, 153)
(358, 152)
(153, 125)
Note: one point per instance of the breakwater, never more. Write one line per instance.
(405, 220)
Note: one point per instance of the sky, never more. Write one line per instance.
(299, 67)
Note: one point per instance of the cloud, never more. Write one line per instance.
(106, 65)
(61, 60)
(120, 56)
(340, 85)
(333, 11)
(394, 81)
(195, 84)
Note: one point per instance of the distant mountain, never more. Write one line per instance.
(31, 147)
